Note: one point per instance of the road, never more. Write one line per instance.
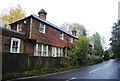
(106, 71)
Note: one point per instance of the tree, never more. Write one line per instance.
(80, 28)
(79, 51)
(14, 14)
(96, 39)
(115, 44)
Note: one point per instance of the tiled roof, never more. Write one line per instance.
(52, 25)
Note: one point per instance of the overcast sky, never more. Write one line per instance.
(95, 15)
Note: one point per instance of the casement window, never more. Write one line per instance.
(19, 27)
(45, 50)
(41, 50)
(42, 28)
(71, 39)
(53, 51)
(15, 45)
(61, 51)
(57, 52)
(62, 36)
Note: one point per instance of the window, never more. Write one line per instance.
(61, 51)
(15, 45)
(61, 36)
(71, 39)
(53, 51)
(44, 50)
(42, 28)
(19, 27)
(41, 50)
(57, 51)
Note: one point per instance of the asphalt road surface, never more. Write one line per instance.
(106, 71)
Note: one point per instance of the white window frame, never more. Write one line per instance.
(37, 50)
(19, 27)
(71, 40)
(11, 47)
(40, 50)
(57, 51)
(61, 51)
(53, 51)
(44, 26)
(46, 50)
(62, 36)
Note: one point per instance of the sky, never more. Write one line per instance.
(95, 15)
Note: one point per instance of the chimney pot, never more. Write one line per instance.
(42, 14)
(74, 31)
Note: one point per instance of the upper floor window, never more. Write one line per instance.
(19, 27)
(42, 28)
(15, 45)
(71, 39)
(62, 36)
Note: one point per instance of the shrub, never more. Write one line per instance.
(96, 59)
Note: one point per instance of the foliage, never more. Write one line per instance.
(96, 39)
(96, 59)
(79, 28)
(31, 72)
(14, 14)
(106, 55)
(115, 44)
(79, 51)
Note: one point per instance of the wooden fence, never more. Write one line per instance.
(12, 62)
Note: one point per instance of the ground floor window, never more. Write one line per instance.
(57, 51)
(15, 45)
(41, 50)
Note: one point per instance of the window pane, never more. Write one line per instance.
(14, 49)
(40, 50)
(16, 43)
(13, 43)
(44, 48)
(42, 27)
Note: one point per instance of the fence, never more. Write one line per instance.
(12, 62)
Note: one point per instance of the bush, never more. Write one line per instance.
(96, 59)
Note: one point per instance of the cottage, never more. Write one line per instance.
(36, 36)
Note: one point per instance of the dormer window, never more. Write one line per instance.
(71, 39)
(62, 36)
(19, 27)
(42, 28)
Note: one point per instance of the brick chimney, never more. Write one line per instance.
(74, 32)
(42, 14)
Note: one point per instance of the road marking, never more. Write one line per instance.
(71, 79)
(95, 70)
